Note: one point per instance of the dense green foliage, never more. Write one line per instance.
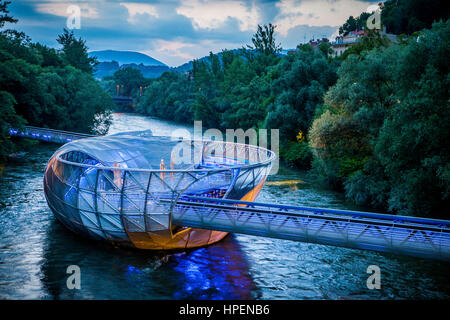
(126, 82)
(401, 16)
(408, 16)
(354, 24)
(130, 82)
(383, 135)
(298, 85)
(74, 52)
(264, 40)
(45, 87)
(169, 98)
(374, 122)
(245, 89)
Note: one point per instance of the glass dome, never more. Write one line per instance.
(110, 187)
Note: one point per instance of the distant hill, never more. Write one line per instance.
(185, 67)
(111, 61)
(107, 68)
(125, 57)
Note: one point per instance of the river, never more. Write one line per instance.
(35, 251)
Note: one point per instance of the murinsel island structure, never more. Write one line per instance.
(113, 187)
(130, 189)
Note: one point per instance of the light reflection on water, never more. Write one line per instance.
(35, 251)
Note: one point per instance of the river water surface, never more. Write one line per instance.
(35, 251)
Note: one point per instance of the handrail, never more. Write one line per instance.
(270, 158)
(56, 131)
(310, 214)
(426, 238)
(383, 216)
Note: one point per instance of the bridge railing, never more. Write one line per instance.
(427, 238)
(49, 135)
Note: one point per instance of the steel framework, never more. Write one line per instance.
(427, 238)
(49, 135)
(110, 187)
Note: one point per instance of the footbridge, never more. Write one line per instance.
(426, 238)
(413, 236)
(48, 135)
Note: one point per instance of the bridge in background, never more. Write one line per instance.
(420, 237)
(121, 101)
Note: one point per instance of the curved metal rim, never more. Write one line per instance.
(270, 159)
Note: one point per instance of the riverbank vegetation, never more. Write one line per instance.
(372, 123)
(253, 87)
(42, 86)
(383, 133)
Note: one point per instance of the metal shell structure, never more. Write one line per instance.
(116, 188)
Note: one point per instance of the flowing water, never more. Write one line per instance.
(35, 251)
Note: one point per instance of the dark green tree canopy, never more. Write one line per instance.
(383, 136)
(264, 40)
(4, 14)
(75, 52)
(409, 16)
(38, 86)
(129, 79)
(353, 24)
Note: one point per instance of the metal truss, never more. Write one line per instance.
(91, 195)
(428, 238)
(49, 135)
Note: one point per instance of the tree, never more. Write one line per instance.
(8, 119)
(325, 48)
(301, 82)
(413, 143)
(75, 52)
(74, 101)
(4, 17)
(247, 109)
(129, 79)
(39, 87)
(353, 24)
(383, 133)
(264, 40)
(342, 134)
(168, 97)
(409, 16)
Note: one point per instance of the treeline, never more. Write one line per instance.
(249, 88)
(128, 82)
(383, 133)
(372, 123)
(45, 87)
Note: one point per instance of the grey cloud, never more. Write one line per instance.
(111, 30)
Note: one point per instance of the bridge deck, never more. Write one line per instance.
(427, 238)
(48, 135)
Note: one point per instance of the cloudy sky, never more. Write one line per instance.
(176, 31)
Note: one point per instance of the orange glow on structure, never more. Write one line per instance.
(186, 238)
